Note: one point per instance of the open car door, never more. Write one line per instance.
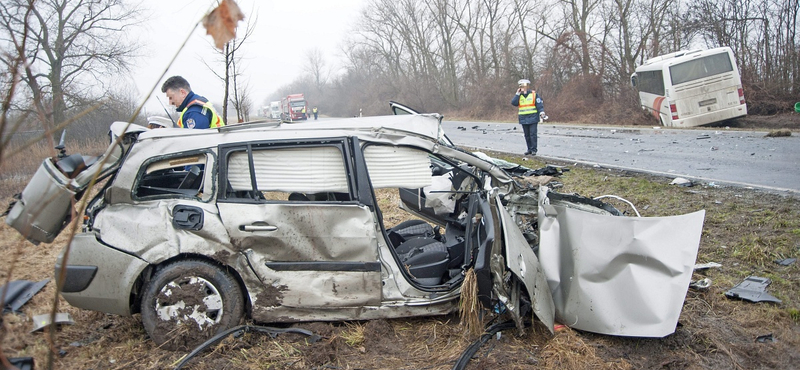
(45, 206)
(400, 109)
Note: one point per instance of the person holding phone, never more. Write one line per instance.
(531, 110)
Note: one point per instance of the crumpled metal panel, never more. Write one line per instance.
(110, 289)
(156, 239)
(308, 234)
(305, 232)
(618, 275)
(310, 288)
(523, 263)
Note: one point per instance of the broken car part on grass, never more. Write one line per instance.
(18, 292)
(44, 320)
(753, 289)
(198, 229)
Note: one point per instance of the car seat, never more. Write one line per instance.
(425, 259)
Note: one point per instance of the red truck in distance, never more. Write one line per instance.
(293, 108)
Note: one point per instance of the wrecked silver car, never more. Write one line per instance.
(199, 229)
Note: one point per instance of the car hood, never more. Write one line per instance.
(597, 271)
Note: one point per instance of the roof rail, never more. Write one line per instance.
(249, 125)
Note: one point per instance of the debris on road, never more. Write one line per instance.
(703, 136)
(753, 289)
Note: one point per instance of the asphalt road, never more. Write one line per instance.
(719, 156)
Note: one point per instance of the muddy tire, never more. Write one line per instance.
(189, 301)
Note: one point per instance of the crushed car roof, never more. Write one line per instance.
(424, 126)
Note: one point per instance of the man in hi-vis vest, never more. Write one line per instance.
(531, 107)
(195, 110)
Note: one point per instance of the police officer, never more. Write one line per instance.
(530, 106)
(196, 111)
(315, 113)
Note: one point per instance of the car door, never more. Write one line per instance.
(400, 109)
(290, 208)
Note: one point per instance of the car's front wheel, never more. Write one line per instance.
(186, 302)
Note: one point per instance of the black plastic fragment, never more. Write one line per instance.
(786, 261)
(19, 292)
(767, 338)
(753, 289)
(466, 356)
(22, 363)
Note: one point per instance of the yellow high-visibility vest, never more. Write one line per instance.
(216, 120)
(527, 105)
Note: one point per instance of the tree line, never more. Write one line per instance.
(465, 56)
(458, 57)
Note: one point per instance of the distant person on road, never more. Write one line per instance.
(315, 113)
(530, 107)
(195, 111)
(305, 116)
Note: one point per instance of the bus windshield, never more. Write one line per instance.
(700, 68)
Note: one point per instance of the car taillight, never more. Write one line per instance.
(741, 96)
(674, 109)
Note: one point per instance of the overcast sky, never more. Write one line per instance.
(273, 56)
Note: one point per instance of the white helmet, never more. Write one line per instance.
(524, 82)
(162, 122)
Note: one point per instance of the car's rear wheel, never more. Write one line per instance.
(186, 302)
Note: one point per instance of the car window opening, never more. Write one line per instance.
(181, 176)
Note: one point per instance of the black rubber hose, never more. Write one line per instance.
(466, 356)
(273, 332)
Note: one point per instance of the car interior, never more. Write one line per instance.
(437, 248)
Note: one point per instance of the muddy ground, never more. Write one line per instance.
(745, 231)
(789, 121)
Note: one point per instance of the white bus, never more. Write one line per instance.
(691, 88)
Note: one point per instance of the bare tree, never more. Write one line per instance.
(242, 101)
(230, 61)
(462, 54)
(69, 48)
(315, 67)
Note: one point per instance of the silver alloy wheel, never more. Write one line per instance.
(190, 298)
